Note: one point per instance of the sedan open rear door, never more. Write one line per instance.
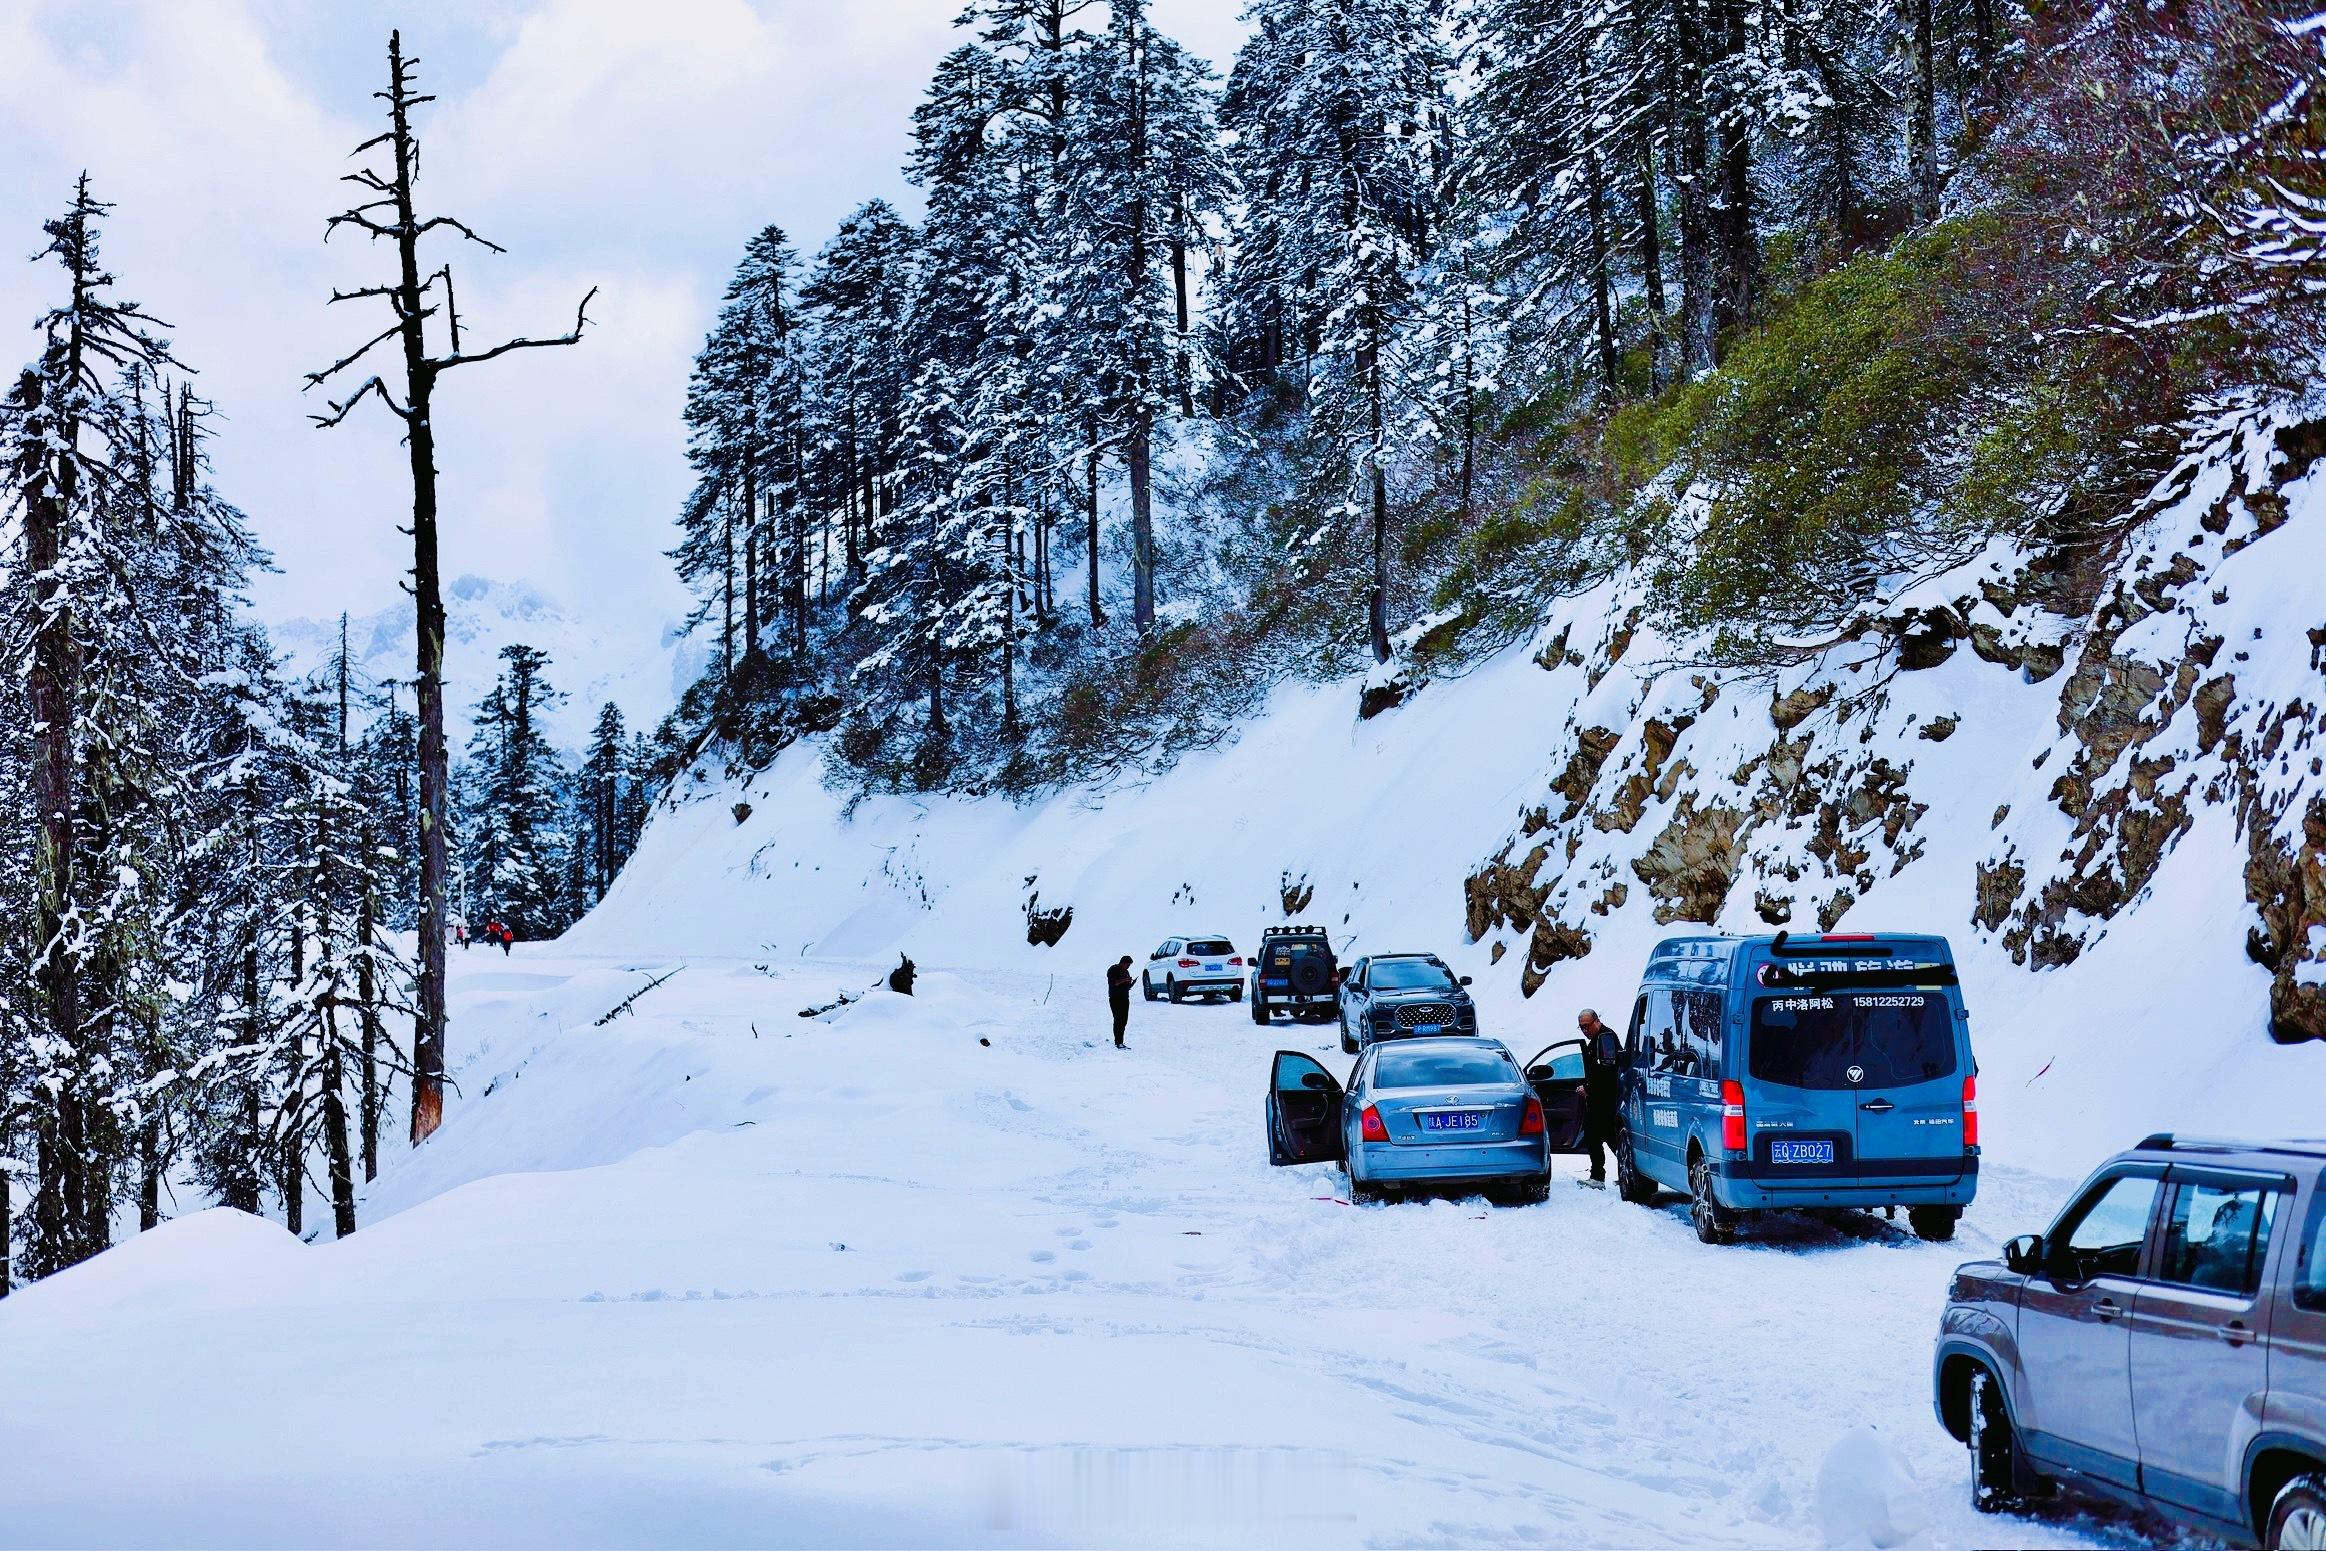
(1304, 1111)
(1556, 1076)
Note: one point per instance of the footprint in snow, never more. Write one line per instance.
(1079, 1244)
(913, 1276)
(1041, 1256)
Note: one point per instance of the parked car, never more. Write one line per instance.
(1294, 972)
(1403, 996)
(1766, 1073)
(1444, 1113)
(1194, 966)
(2163, 1343)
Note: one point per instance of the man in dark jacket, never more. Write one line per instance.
(1118, 995)
(1602, 1060)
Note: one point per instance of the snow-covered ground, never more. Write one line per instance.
(951, 1270)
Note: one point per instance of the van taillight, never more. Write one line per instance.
(1970, 1112)
(1369, 1124)
(1532, 1123)
(1732, 1116)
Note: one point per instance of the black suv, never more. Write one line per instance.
(1402, 996)
(1294, 972)
(2163, 1343)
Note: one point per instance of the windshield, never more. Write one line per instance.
(1887, 1038)
(1210, 947)
(1410, 975)
(1441, 1067)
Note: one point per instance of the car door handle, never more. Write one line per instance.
(2107, 1308)
(1879, 1106)
(2235, 1333)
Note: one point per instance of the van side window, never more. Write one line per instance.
(2217, 1235)
(1663, 1033)
(1635, 1048)
(1700, 1032)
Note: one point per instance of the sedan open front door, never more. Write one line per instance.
(1556, 1076)
(1304, 1112)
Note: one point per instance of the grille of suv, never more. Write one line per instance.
(1415, 1014)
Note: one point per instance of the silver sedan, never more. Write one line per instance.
(1436, 1114)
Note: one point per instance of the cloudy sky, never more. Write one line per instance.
(628, 144)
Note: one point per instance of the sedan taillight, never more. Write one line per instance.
(1532, 1124)
(1369, 1124)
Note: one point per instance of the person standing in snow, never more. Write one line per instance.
(1602, 1060)
(1118, 995)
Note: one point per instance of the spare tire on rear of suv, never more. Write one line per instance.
(1311, 973)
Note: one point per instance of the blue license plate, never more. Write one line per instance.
(1801, 1152)
(1454, 1120)
(1426, 1028)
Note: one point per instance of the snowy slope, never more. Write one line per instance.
(2111, 985)
(944, 1271)
(591, 667)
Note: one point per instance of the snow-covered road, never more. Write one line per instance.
(951, 1270)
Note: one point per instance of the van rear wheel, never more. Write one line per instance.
(1934, 1224)
(1630, 1183)
(1715, 1224)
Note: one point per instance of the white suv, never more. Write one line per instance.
(1194, 966)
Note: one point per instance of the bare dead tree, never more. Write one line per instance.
(414, 297)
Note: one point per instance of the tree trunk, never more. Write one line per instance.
(1377, 610)
(428, 605)
(1179, 286)
(1738, 225)
(1651, 260)
(149, 1174)
(1922, 123)
(367, 994)
(1603, 312)
(1138, 451)
(1090, 512)
(1693, 154)
(750, 557)
(335, 1129)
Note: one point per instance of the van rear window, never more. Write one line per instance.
(1890, 1037)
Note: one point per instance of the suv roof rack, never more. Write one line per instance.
(2166, 1141)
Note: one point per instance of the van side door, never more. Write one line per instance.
(2201, 1336)
(1659, 1139)
(2075, 1328)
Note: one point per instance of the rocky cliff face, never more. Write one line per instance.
(2008, 751)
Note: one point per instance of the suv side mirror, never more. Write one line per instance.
(1465, 980)
(2025, 1254)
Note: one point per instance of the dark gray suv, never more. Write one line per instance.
(2163, 1343)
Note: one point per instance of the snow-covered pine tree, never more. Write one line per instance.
(1338, 110)
(78, 603)
(858, 291)
(515, 808)
(1142, 176)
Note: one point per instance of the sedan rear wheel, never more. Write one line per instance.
(2297, 1520)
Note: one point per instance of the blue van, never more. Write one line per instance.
(1770, 1073)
